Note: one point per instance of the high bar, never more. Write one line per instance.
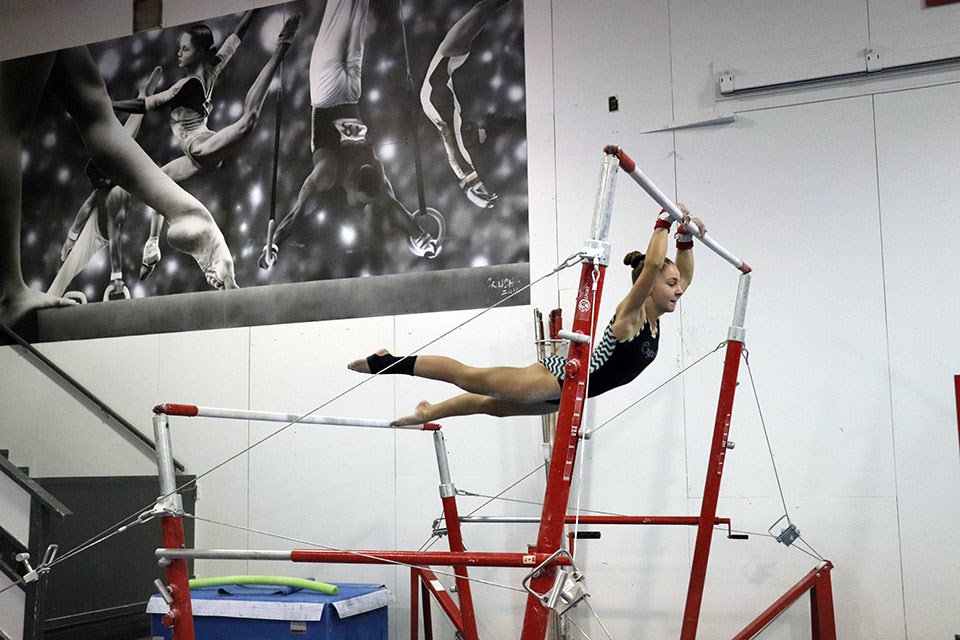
(628, 165)
(192, 410)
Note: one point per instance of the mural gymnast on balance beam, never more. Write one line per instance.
(628, 345)
(73, 78)
(189, 101)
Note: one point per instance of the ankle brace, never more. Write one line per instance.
(397, 365)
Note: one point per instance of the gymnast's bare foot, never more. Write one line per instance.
(362, 366)
(420, 415)
(203, 240)
(23, 300)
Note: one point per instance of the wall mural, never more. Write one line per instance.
(380, 146)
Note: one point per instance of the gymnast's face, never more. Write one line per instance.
(666, 290)
(187, 54)
(363, 184)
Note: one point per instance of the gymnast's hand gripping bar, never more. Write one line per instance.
(628, 165)
(190, 410)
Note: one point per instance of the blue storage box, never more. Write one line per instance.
(358, 612)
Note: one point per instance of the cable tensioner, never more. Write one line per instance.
(788, 535)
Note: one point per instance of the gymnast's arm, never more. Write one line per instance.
(630, 314)
(186, 92)
(76, 81)
(244, 24)
(134, 105)
(132, 125)
(684, 259)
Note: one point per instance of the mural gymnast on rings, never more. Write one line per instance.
(190, 102)
(440, 103)
(343, 155)
(628, 345)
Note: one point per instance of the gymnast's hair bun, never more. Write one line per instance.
(634, 259)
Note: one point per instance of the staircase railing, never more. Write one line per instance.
(128, 428)
(43, 505)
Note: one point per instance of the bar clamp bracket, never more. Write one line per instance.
(568, 588)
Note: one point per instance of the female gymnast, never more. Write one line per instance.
(189, 101)
(628, 345)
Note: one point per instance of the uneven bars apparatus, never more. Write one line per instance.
(595, 253)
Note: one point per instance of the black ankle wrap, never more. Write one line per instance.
(391, 364)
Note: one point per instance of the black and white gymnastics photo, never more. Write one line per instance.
(323, 159)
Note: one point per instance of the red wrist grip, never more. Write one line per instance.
(663, 223)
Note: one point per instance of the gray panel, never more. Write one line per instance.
(300, 302)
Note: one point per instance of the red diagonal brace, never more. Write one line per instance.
(817, 582)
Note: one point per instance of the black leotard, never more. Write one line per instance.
(614, 362)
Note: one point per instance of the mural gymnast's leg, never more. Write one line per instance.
(21, 85)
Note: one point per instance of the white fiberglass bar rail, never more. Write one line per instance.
(628, 165)
(191, 410)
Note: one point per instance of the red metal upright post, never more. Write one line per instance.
(170, 508)
(415, 603)
(823, 623)
(565, 446)
(180, 617)
(956, 390)
(718, 451)
(448, 496)
(572, 399)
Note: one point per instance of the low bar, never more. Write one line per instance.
(418, 558)
(192, 410)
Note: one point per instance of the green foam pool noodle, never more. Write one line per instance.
(300, 583)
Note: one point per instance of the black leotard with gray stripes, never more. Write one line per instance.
(614, 362)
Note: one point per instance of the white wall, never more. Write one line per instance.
(842, 197)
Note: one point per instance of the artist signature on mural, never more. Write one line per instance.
(504, 286)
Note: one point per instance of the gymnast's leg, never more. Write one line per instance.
(21, 85)
(212, 151)
(468, 404)
(532, 384)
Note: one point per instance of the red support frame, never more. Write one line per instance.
(427, 581)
